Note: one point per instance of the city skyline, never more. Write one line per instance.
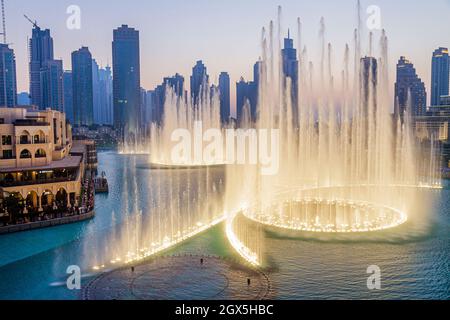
(276, 150)
(232, 48)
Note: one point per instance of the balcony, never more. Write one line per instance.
(39, 141)
(8, 184)
(30, 123)
(7, 162)
(28, 141)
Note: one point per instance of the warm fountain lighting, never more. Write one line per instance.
(245, 252)
(341, 216)
(143, 253)
(346, 163)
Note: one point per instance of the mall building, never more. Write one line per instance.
(37, 169)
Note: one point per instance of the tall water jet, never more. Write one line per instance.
(348, 164)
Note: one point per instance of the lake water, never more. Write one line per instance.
(414, 260)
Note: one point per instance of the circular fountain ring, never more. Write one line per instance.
(328, 216)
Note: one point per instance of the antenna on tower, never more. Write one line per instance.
(3, 33)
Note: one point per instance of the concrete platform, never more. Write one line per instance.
(180, 278)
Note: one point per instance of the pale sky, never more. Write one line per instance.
(224, 34)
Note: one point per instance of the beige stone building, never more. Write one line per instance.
(36, 167)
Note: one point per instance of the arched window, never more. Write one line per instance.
(61, 198)
(47, 199)
(25, 137)
(40, 153)
(32, 200)
(25, 154)
(39, 137)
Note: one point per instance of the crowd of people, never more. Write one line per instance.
(14, 211)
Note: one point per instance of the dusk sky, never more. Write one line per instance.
(224, 34)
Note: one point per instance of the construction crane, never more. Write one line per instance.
(34, 23)
(3, 33)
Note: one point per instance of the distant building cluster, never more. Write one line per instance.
(91, 95)
(430, 122)
(84, 93)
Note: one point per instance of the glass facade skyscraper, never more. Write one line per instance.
(8, 80)
(409, 86)
(106, 95)
(102, 93)
(224, 89)
(41, 51)
(440, 73)
(290, 71)
(199, 81)
(126, 78)
(247, 92)
(51, 85)
(176, 83)
(68, 95)
(82, 87)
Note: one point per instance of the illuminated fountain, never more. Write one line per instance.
(180, 114)
(347, 164)
(172, 207)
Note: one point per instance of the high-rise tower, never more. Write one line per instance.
(439, 75)
(409, 86)
(41, 51)
(126, 78)
(224, 89)
(82, 87)
(8, 81)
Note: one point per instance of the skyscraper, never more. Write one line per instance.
(150, 104)
(41, 50)
(224, 89)
(439, 75)
(159, 98)
(290, 70)
(68, 95)
(126, 77)
(176, 83)
(8, 80)
(247, 92)
(242, 98)
(408, 84)
(96, 93)
(82, 87)
(51, 85)
(106, 96)
(199, 81)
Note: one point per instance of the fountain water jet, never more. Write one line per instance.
(347, 143)
(348, 165)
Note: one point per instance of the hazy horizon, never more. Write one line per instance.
(175, 34)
